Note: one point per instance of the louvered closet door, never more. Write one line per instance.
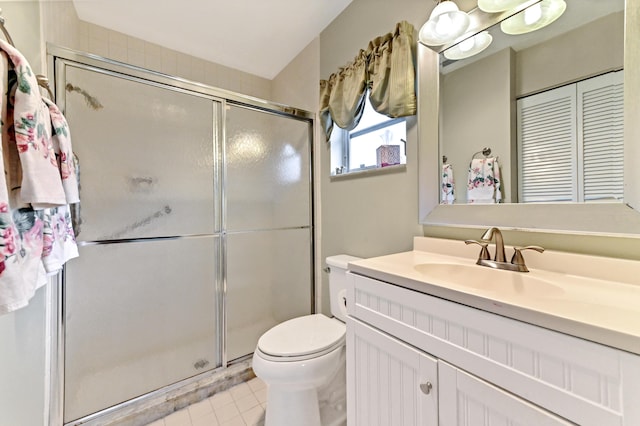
(547, 160)
(601, 137)
(570, 142)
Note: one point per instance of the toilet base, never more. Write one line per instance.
(298, 407)
(324, 406)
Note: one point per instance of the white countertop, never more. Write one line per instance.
(603, 307)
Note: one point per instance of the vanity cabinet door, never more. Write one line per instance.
(469, 401)
(389, 383)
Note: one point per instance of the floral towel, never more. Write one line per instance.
(35, 227)
(484, 181)
(448, 185)
(21, 268)
(40, 185)
(59, 242)
(64, 152)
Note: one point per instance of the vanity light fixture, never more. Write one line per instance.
(446, 23)
(469, 47)
(534, 17)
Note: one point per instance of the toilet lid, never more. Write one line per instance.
(302, 336)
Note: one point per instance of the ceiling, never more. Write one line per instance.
(259, 37)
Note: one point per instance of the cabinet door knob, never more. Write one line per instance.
(426, 388)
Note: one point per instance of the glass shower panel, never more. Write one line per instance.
(139, 316)
(268, 219)
(267, 170)
(269, 280)
(146, 155)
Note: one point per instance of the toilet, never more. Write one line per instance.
(303, 362)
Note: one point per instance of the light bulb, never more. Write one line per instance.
(532, 14)
(444, 24)
(467, 45)
(534, 17)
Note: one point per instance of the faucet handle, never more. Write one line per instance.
(518, 259)
(484, 251)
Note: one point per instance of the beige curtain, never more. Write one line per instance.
(343, 95)
(387, 67)
(392, 72)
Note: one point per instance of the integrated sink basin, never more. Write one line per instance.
(487, 279)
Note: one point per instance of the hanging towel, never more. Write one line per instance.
(59, 242)
(484, 185)
(61, 139)
(40, 184)
(21, 268)
(448, 185)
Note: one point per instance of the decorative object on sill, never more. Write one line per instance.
(494, 6)
(446, 23)
(536, 16)
(447, 195)
(387, 68)
(387, 155)
(469, 47)
(484, 184)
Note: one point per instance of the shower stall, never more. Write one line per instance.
(196, 231)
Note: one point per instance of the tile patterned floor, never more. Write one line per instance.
(242, 405)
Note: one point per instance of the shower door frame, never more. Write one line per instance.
(57, 58)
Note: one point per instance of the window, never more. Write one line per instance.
(377, 141)
(570, 142)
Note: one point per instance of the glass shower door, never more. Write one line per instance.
(141, 306)
(268, 224)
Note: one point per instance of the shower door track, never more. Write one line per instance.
(57, 57)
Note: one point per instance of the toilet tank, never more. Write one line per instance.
(338, 283)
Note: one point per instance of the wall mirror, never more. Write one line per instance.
(477, 108)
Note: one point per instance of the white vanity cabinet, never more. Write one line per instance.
(482, 368)
(393, 383)
(467, 400)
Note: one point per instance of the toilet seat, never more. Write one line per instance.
(302, 338)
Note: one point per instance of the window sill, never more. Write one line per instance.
(398, 168)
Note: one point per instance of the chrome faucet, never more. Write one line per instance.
(499, 260)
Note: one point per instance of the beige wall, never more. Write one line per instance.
(473, 96)
(587, 51)
(297, 83)
(372, 215)
(25, 36)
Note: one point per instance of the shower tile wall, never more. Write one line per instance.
(61, 26)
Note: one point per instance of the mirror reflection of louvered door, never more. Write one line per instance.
(570, 142)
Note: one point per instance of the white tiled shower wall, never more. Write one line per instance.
(61, 26)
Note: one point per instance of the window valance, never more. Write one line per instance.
(386, 68)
